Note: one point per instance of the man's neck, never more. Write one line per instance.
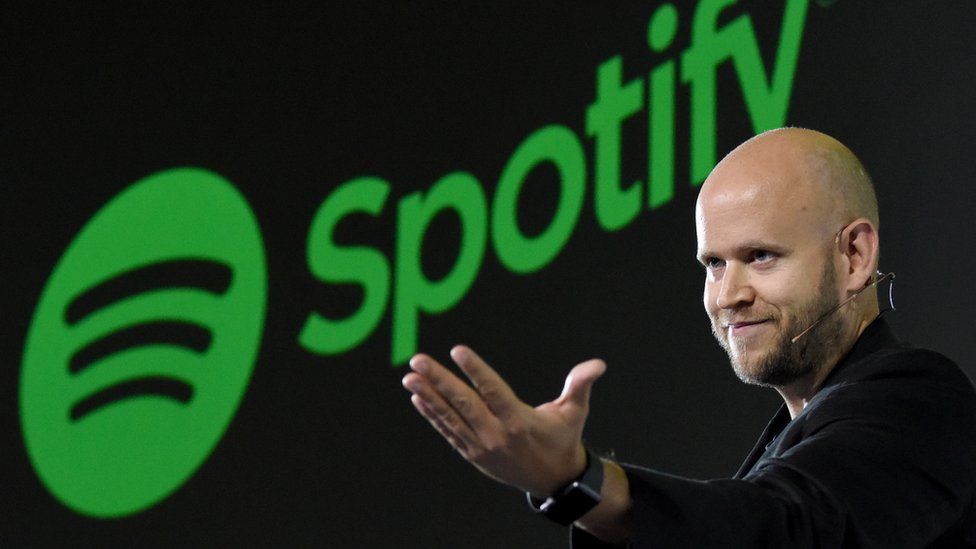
(799, 393)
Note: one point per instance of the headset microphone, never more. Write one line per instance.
(880, 278)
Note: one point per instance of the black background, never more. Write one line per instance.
(288, 103)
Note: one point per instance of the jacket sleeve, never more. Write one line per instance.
(877, 463)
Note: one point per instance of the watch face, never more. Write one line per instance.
(574, 502)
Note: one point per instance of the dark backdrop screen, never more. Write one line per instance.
(226, 230)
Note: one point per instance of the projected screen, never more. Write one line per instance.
(227, 230)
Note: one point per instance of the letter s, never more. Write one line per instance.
(331, 263)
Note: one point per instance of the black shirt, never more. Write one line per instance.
(884, 455)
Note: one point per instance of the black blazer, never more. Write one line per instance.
(883, 456)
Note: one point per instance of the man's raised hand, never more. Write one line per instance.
(534, 449)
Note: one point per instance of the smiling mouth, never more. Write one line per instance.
(745, 323)
(737, 328)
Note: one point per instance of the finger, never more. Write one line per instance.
(496, 393)
(579, 382)
(432, 418)
(457, 394)
(441, 410)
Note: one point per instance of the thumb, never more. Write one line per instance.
(580, 380)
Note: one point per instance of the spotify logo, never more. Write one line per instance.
(143, 343)
(145, 335)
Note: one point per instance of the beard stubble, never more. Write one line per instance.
(787, 362)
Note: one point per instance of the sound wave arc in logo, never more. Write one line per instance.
(203, 275)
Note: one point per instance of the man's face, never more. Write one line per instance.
(769, 274)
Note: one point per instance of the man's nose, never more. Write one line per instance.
(735, 290)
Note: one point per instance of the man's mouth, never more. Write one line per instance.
(744, 327)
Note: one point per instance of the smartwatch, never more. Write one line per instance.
(574, 500)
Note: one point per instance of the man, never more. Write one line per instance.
(875, 445)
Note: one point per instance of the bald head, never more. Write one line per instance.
(805, 168)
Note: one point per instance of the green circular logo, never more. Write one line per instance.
(143, 343)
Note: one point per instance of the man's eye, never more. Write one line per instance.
(713, 262)
(761, 256)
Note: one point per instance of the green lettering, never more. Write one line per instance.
(660, 154)
(556, 144)
(413, 292)
(767, 100)
(331, 263)
(614, 103)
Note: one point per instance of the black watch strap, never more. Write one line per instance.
(574, 500)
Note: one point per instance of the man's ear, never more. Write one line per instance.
(861, 248)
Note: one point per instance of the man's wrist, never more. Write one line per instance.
(575, 499)
(611, 520)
